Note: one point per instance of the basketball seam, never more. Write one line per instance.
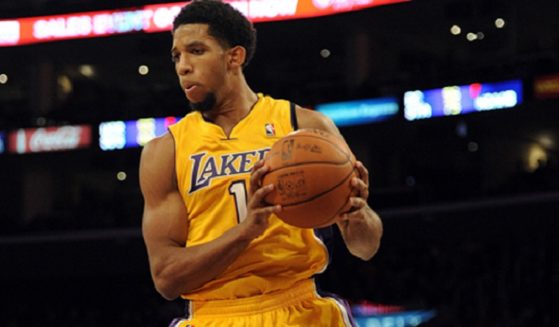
(316, 196)
(340, 209)
(348, 156)
(327, 140)
(307, 163)
(337, 212)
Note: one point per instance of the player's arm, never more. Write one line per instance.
(361, 228)
(177, 269)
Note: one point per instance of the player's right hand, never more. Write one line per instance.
(258, 211)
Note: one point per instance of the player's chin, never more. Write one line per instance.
(194, 99)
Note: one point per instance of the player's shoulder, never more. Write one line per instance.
(308, 118)
(159, 147)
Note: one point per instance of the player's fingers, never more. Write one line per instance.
(362, 171)
(355, 211)
(356, 203)
(257, 165)
(360, 187)
(258, 197)
(266, 211)
(256, 176)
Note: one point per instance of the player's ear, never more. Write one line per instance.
(237, 56)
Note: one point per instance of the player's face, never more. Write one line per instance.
(200, 63)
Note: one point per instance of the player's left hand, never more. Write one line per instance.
(361, 227)
(358, 202)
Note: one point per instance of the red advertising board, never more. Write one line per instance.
(49, 139)
(159, 17)
(546, 87)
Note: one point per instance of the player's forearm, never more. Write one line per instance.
(184, 270)
(362, 236)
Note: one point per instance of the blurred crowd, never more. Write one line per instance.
(488, 267)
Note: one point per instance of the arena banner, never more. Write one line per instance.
(48, 139)
(359, 112)
(159, 18)
(117, 135)
(462, 99)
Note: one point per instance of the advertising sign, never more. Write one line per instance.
(458, 100)
(117, 135)
(49, 139)
(159, 17)
(360, 111)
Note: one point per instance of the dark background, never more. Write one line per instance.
(469, 203)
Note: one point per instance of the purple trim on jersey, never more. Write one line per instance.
(187, 315)
(175, 322)
(342, 302)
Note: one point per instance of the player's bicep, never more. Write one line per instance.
(165, 224)
(164, 219)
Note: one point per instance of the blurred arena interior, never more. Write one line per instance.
(470, 202)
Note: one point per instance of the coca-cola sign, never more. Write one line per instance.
(50, 139)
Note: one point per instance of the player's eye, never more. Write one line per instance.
(197, 51)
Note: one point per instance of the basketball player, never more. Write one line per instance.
(210, 238)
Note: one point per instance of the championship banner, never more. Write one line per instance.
(159, 18)
(48, 139)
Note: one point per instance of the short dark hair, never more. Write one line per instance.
(225, 23)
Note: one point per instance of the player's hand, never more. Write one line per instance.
(358, 203)
(258, 211)
(361, 226)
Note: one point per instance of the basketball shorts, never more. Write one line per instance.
(300, 306)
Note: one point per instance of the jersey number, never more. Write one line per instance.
(238, 190)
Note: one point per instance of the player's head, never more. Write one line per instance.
(212, 43)
(225, 23)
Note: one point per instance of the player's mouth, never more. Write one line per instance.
(191, 90)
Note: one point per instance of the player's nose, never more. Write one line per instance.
(184, 66)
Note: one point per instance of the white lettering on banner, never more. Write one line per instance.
(147, 16)
(61, 27)
(496, 100)
(122, 22)
(340, 4)
(146, 130)
(112, 135)
(100, 24)
(452, 100)
(63, 138)
(9, 32)
(21, 141)
(241, 6)
(103, 24)
(415, 107)
(271, 9)
(128, 21)
(321, 4)
(163, 17)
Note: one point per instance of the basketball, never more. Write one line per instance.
(311, 171)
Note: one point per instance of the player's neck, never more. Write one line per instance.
(236, 104)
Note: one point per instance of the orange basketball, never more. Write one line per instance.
(311, 171)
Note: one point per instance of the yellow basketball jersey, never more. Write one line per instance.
(213, 175)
